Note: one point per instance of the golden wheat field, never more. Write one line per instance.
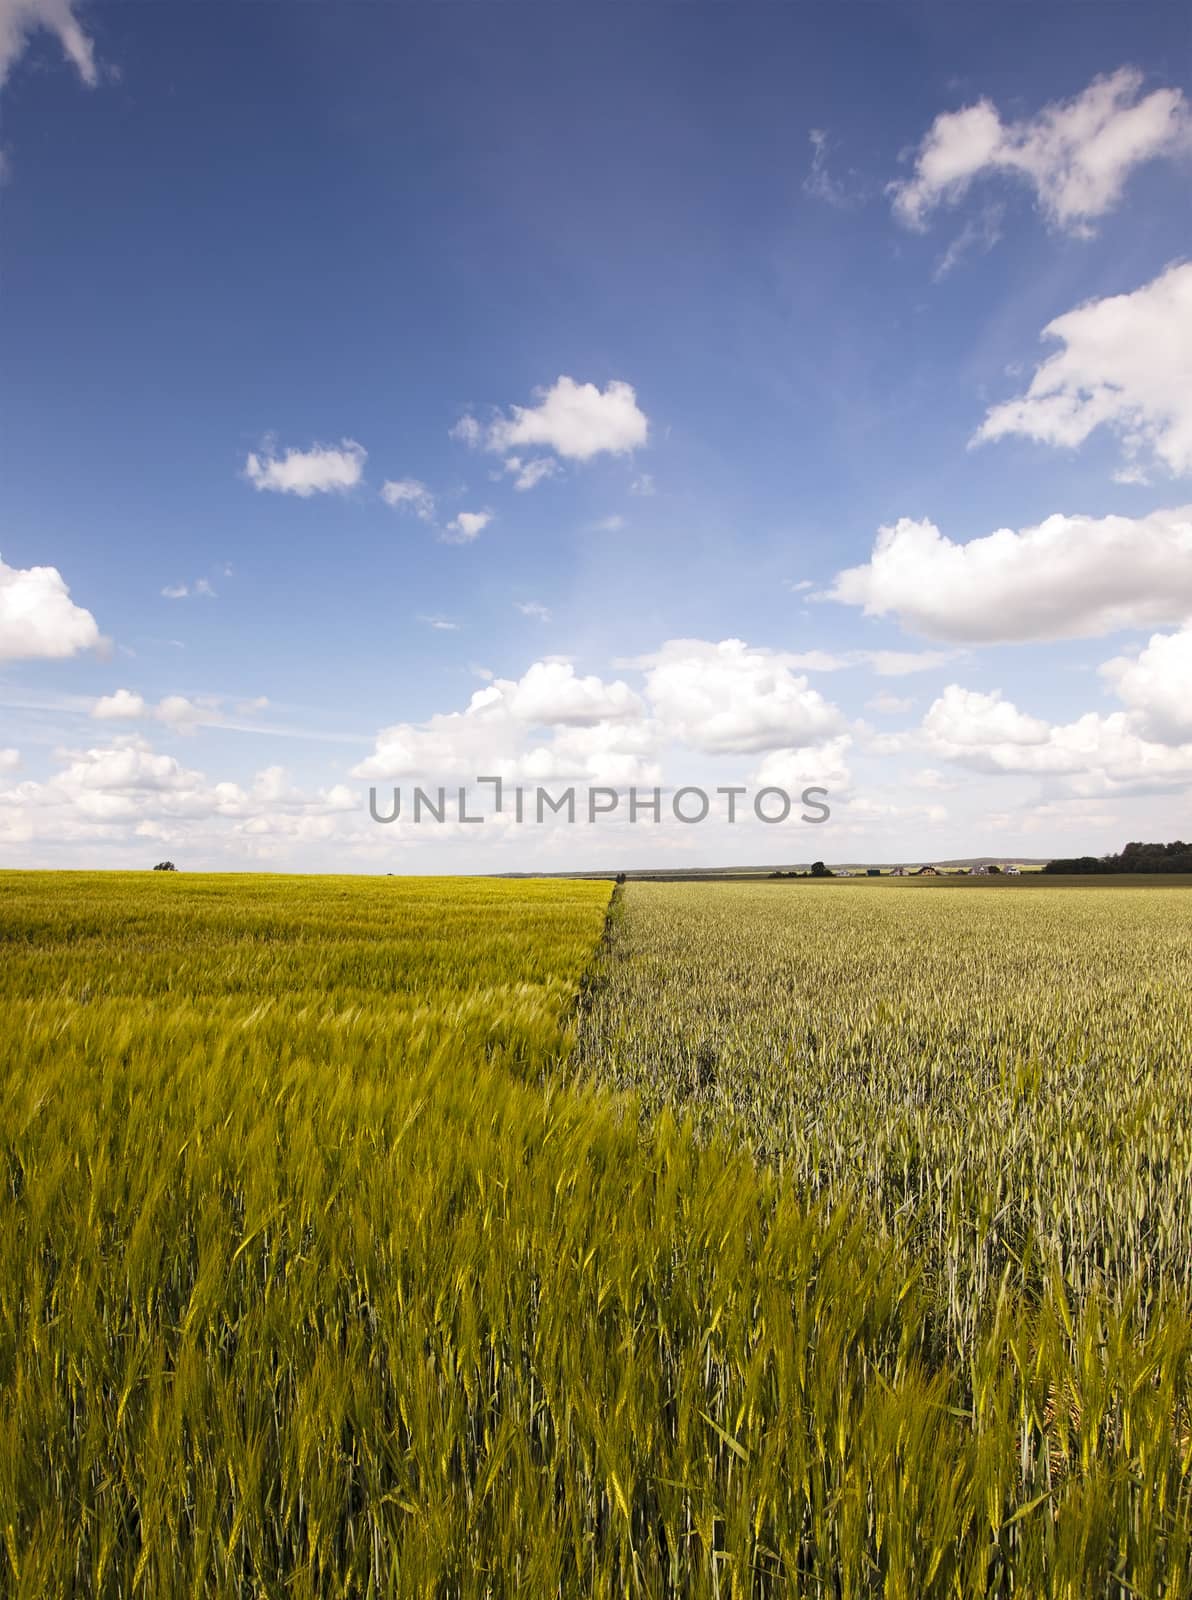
(473, 1238)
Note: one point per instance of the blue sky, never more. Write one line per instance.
(738, 286)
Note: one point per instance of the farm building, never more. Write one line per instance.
(927, 872)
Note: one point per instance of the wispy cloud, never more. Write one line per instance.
(408, 494)
(21, 18)
(201, 588)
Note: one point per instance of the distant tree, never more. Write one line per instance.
(165, 866)
(1173, 857)
(818, 870)
(620, 877)
(995, 869)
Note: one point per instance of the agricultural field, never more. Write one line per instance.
(996, 1072)
(471, 1238)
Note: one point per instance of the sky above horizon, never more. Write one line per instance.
(592, 395)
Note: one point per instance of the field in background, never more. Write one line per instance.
(998, 1079)
(326, 1271)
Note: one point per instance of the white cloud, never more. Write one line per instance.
(931, 778)
(610, 524)
(10, 759)
(440, 624)
(175, 710)
(1093, 755)
(467, 430)
(728, 697)
(527, 474)
(531, 608)
(123, 705)
(38, 619)
(1076, 154)
(901, 663)
(552, 693)
(884, 663)
(1069, 577)
(575, 420)
(201, 587)
(643, 484)
(597, 729)
(20, 18)
(1126, 364)
(1156, 685)
(889, 705)
(824, 765)
(407, 494)
(319, 470)
(126, 791)
(467, 526)
(184, 715)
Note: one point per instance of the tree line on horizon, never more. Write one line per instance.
(1173, 857)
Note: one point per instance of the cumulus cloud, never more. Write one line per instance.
(184, 715)
(407, 494)
(575, 420)
(126, 790)
(1069, 577)
(594, 729)
(555, 723)
(175, 710)
(1076, 154)
(824, 765)
(1095, 754)
(38, 619)
(1126, 364)
(320, 470)
(124, 705)
(552, 692)
(1156, 685)
(729, 697)
(21, 18)
(467, 526)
